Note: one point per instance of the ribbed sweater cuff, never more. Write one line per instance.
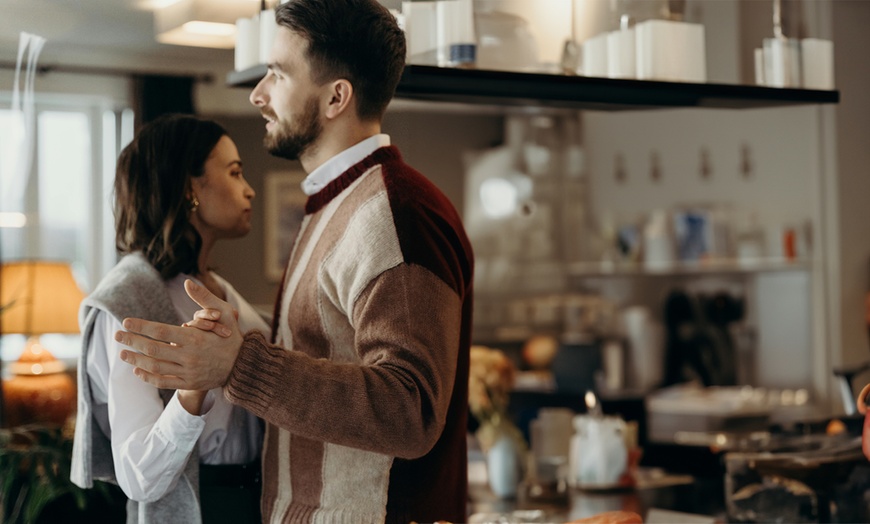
(256, 375)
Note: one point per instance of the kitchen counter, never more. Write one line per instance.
(655, 490)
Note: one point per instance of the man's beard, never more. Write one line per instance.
(291, 143)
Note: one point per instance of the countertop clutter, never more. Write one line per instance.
(686, 452)
(656, 493)
(804, 472)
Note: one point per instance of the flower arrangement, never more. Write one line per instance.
(490, 379)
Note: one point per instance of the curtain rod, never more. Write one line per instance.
(90, 70)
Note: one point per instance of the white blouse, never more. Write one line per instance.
(150, 444)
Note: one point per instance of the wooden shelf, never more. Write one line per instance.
(708, 267)
(502, 88)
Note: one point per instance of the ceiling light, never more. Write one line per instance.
(201, 23)
(209, 28)
(11, 219)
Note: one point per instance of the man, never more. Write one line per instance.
(364, 385)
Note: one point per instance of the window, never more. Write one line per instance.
(63, 209)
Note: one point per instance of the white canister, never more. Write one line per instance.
(659, 252)
(268, 29)
(595, 58)
(247, 52)
(817, 63)
(782, 62)
(621, 54)
(669, 50)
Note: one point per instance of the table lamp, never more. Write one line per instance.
(38, 297)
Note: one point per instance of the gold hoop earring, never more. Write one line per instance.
(194, 203)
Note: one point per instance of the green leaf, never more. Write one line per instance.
(35, 470)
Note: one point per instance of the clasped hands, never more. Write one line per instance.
(178, 357)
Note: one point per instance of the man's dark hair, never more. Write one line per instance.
(152, 183)
(358, 40)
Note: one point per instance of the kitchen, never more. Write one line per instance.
(787, 166)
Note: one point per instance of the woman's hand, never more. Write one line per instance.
(191, 400)
(208, 319)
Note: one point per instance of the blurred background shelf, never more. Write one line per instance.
(707, 267)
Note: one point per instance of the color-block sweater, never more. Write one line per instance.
(365, 387)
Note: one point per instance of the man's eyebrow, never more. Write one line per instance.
(276, 67)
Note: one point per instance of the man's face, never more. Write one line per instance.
(288, 99)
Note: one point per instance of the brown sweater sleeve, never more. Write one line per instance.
(395, 402)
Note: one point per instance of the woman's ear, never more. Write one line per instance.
(193, 201)
(340, 97)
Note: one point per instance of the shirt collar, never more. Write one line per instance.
(335, 166)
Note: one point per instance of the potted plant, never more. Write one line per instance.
(34, 477)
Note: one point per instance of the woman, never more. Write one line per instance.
(179, 188)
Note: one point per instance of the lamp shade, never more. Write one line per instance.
(38, 297)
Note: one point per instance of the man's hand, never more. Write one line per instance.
(179, 357)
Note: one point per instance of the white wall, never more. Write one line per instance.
(780, 190)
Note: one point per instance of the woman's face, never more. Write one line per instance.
(224, 195)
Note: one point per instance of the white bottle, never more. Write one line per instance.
(658, 242)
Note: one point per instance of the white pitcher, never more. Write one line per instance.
(599, 455)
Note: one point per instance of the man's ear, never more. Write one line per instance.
(340, 96)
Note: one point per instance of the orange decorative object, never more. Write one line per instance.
(39, 391)
(862, 409)
(611, 517)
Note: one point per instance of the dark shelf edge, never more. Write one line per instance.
(246, 77)
(474, 86)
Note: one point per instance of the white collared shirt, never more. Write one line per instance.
(150, 443)
(335, 166)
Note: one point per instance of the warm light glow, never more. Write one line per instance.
(591, 401)
(179, 36)
(36, 360)
(198, 27)
(39, 297)
(9, 219)
(201, 23)
(151, 5)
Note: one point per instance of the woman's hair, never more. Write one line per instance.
(358, 40)
(152, 188)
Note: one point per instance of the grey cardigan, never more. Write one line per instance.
(133, 288)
